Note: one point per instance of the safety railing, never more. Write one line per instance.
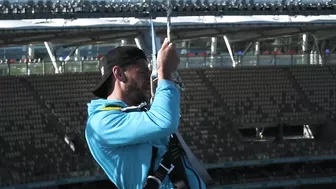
(46, 67)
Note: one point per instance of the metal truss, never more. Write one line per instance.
(38, 9)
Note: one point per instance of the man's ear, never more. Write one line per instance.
(119, 74)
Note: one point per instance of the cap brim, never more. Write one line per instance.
(101, 90)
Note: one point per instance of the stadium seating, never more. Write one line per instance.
(259, 96)
(29, 144)
(203, 120)
(38, 111)
(278, 172)
(66, 95)
(318, 84)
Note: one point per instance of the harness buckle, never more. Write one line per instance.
(169, 170)
(155, 179)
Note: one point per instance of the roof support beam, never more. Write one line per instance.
(52, 56)
(228, 46)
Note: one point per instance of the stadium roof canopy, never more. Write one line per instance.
(102, 30)
(34, 9)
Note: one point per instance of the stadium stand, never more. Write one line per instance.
(31, 141)
(203, 121)
(318, 84)
(27, 138)
(66, 96)
(259, 96)
(38, 111)
(274, 172)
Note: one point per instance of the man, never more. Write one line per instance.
(122, 141)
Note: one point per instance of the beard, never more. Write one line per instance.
(135, 93)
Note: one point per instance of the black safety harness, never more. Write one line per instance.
(171, 163)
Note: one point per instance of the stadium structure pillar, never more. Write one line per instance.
(317, 51)
(51, 53)
(72, 53)
(185, 48)
(123, 42)
(213, 51)
(228, 46)
(305, 51)
(31, 55)
(77, 54)
(31, 52)
(257, 52)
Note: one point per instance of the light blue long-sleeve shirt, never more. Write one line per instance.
(121, 143)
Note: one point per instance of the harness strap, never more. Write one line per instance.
(142, 107)
(152, 165)
(111, 108)
(178, 176)
(171, 163)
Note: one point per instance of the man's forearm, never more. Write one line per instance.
(162, 75)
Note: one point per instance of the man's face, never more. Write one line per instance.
(137, 86)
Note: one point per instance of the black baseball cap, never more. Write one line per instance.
(120, 56)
